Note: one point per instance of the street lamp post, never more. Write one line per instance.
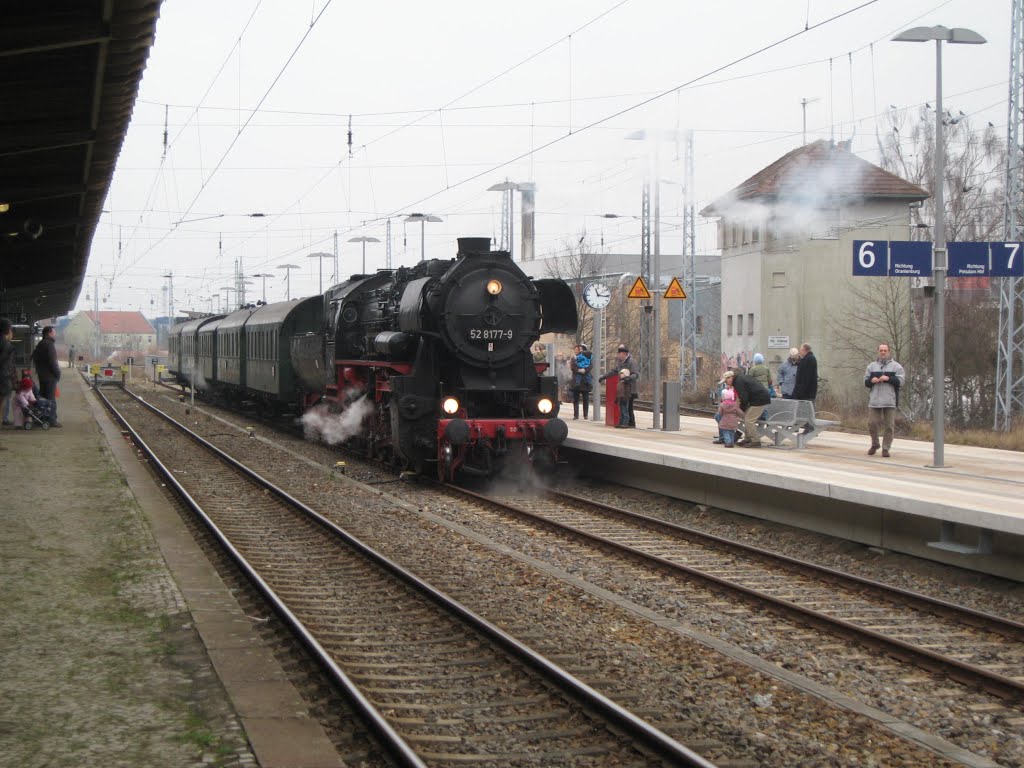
(422, 218)
(227, 297)
(321, 257)
(364, 240)
(288, 279)
(264, 275)
(939, 258)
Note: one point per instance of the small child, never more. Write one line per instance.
(584, 381)
(26, 399)
(729, 417)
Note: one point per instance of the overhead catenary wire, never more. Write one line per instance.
(227, 151)
(534, 151)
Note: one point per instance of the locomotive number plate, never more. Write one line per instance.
(489, 334)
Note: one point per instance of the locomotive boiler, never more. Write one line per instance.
(437, 359)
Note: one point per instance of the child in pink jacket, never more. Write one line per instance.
(729, 417)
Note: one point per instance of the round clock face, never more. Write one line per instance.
(597, 295)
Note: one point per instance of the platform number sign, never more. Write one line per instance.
(1007, 259)
(870, 258)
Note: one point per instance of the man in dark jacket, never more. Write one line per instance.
(44, 356)
(8, 368)
(806, 387)
(624, 362)
(753, 397)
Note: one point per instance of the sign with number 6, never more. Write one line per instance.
(871, 258)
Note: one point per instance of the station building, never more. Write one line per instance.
(786, 238)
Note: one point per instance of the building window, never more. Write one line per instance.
(778, 279)
(739, 324)
(700, 324)
(721, 233)
(755, 232)
(728, 325)
(750, 324)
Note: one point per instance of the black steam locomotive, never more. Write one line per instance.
(431, 362)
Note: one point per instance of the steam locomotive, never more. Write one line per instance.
(431, 362)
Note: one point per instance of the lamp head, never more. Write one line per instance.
(939, 32)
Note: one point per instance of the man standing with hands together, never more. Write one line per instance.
(883, 377)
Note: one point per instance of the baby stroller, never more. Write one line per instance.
(40, 413)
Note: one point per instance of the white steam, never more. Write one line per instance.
(809, 198)
(333, 428)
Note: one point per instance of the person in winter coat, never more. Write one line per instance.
(729, 417)
(806, 387)
(625, 363)
(787, 374)
(753, 397)
(44, 356)
(883, 377)
(8, 369)
(761, 372)
(582, 381)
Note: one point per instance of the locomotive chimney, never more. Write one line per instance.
(474, 246)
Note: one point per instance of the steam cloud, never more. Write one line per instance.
(334, 428)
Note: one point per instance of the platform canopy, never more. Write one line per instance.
(69, 75)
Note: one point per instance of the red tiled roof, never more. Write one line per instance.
(122, 322)
(816, 173)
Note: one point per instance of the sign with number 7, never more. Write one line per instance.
(1007, 260)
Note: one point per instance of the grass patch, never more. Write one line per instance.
(857, 421)
(199, 735)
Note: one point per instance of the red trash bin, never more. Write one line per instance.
(611, 411)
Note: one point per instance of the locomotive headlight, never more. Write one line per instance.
(544, 405)
(494, 287)
(450, 406)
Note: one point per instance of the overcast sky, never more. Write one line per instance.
(451, 97)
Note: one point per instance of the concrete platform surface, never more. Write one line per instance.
(833, 486)
(98, 572)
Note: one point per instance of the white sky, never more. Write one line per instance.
(438, 107)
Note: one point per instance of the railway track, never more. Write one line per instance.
(435, 683)
(968, 646)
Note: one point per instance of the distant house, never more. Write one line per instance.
(786, 238)
(123, 332)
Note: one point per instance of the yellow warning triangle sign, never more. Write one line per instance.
(675, 290)
(639, 290)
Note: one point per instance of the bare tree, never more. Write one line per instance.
(577, 264)
(878, 310)
(974, 192)
(973, 170)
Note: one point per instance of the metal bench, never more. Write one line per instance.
(792, 420)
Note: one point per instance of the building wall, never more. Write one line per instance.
(797, 284)
(79, 333)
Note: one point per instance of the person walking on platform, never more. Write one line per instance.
(624, 362)
(883, 377)
(44, 356)
(753, 397)
(787, 374)
(8, 369)
(806, 385)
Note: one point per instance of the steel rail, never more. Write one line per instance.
(970, 674)
(637, 728)
(392, 741)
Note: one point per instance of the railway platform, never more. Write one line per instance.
(969, 514)
(121, 644)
